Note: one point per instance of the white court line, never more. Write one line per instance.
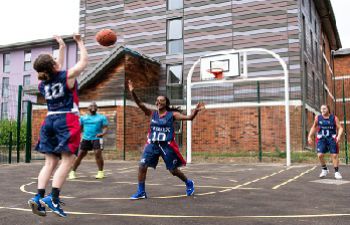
(294, 178)
(193, 216)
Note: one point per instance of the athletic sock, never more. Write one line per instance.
(324, 167)
(41, 192)
(336, 169)
(141, 187)
(55, 193)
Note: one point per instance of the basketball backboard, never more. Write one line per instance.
(229, 63)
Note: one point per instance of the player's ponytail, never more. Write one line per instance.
(45, 66)
(171, 108)
(43, 76)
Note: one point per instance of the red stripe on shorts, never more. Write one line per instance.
(74, 131)
(175, 147)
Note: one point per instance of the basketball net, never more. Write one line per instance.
(217, 72)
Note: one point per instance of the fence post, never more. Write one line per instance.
(259, 122)
(29, 133)
(124, 123)
(19, 112)
(345, 132)
(10, 148)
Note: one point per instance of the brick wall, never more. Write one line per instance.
(342, 68)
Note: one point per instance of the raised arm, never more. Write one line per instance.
(81, 64)
(312, 131)
(339, 129)
(146, 110)
(180, 116)
(61, 49)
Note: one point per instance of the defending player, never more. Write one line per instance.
(60, 132)
(161, 142)
(329, 132)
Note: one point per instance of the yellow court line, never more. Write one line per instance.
(293, 179)
(256, 180)
(193, 216)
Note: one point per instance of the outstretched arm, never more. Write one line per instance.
(61, 48)
(180, 116)
(146, 110)
(312, 131)
(81, 64)
(340, 129)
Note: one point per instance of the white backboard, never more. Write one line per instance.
(230, 63)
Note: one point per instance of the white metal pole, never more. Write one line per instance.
(188, 109)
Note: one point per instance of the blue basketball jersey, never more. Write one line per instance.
(161, 128)
(326, 127)
(58, 96)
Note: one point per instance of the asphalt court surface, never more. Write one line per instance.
(225, 194)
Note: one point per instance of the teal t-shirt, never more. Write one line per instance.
(92, 125)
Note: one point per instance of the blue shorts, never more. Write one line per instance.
(325, 145)
(59, 133)
(168, 151)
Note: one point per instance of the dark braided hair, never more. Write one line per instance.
(171, 108)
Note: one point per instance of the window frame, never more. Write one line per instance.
(171, 40)
(25, 62)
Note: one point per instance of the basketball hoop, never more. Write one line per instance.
(217, 72)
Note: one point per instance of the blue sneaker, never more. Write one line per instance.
(190, 188)
(35, 205)
(55, 207)
(138, 195)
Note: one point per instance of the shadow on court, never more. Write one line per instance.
(225, 194)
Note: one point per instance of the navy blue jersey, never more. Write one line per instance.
(58, 96)
(326, 127)
(161, 127)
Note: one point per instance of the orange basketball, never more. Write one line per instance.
(106, 37)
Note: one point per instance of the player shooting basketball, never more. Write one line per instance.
(60, 132)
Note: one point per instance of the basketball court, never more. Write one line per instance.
(225, 194)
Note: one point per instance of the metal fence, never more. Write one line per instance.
(15, 125)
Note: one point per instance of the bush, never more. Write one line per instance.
(7, 126)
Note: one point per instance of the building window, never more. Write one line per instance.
(304, 32)
(174, 81)
(318, 94)
(312, 46)
(316, 29)
(174, 36)
(5, 87)
(175, 4)
(6, 62)
(24, 110)
(27, 61)
(310, 10)
(55, 53)
(26, 80)
(4, 110)
(316, 55)
(306, 82)
(313, 89)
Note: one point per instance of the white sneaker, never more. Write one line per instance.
(324, 173)
(72, 175)
(337, 176)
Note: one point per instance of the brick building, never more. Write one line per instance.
(175, 33)
(342, 76)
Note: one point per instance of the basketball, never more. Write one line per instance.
(106, 37)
